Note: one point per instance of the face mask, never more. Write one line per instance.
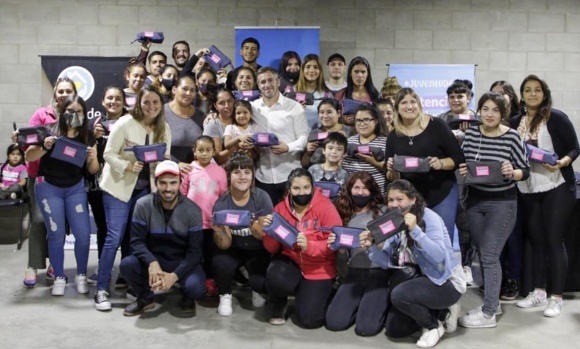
(168, 83)
(202, 88)
(302, 200)
(361, 201)
(73, 119)
(292, 75)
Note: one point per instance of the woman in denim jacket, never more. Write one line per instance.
(440, 280)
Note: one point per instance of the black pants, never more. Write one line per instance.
(284, 278)
(547, 218)
(207, 253)
(361, 300)
(95, 198)
(275, 191)
(416, 305)
(225, 264)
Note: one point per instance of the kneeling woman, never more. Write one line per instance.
(306, 270)
(241, 246)
(419, 302)
(362, 298)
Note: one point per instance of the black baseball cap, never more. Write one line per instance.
(336, 57)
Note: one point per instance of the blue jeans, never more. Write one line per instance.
(192, 286)
(57, 206)
(447, 210)
(491, 223)
(117, 215)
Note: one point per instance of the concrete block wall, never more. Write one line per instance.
(507, 39)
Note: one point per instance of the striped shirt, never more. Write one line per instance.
(506, 147)
(354, 164)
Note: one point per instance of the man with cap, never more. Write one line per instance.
(166, 243)
(336, 66)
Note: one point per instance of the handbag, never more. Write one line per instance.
(236, 219)
(353, 149)
(249, 96)
(349, 106)
(34, 135)
(302, 97)
(541, 156)
(411, 164)
(264, 139)
(330, 190)
(107, 125)
(216, 59)
(69, 151)
(387, 225)
(317, 136)
(457, 120)
(346, 237)
(484, 172)
(149, 153)
(154, 37)
(281, 230)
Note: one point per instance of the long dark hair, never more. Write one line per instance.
(62, 126)
(345, 205)
(371, 89)
(286, 57)
(545, 108)
(418, 208)
(509, 90)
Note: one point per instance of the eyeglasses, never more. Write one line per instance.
(364, 121)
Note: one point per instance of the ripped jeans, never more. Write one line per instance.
(56, 203)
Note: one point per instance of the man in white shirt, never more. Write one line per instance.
(274, 113)
(336, 66)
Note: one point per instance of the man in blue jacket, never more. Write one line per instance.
(166, 243)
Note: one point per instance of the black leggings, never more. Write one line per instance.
(284, 278)
(95, 198)
(226, 262)
(547, 218)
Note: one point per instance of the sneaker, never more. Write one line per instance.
(498, 311)
(555, 307)
(450, 323)
(210, 288)
(59, 286)
(225, 307)
(534, 299)
(30, 278)
(430, 338)
(468, 275)
(82, 284)
(50, 272)
(131, 295)
(187, 305)
(278, 314)
(139, 307)
(509, 290)
(477, 320)
(102, 302)
(121, 282)
(258, 300)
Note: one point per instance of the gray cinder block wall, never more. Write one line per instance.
(507, 39)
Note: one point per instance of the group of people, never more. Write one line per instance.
(208, 149)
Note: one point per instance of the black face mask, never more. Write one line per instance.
(302, 200)
(202, 88)
(361, 201)
(168, 83)
(292, 75)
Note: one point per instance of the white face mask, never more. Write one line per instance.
(73, 119)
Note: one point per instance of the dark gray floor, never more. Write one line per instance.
(35, 319)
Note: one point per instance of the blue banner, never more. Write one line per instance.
(274, 41)
(431, 81)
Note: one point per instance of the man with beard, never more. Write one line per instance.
(180, 54)
(274, 113)
(336, 66)
(166, 243)
(250, 51)
(157, 61)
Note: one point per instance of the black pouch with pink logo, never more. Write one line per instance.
(67, 150)
(484, 172)
(387, 225)
(411, 164)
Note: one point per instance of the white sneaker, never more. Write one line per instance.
(59, 286)
(82, 284)
(555, 307)
(430, 338)
(225, 307)
(477, 320)
(468, 275)
(450, 323)
(534, 299)
(258, 300)
(498, 311)
(102, 302)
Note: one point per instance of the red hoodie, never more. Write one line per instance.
(317, 262)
